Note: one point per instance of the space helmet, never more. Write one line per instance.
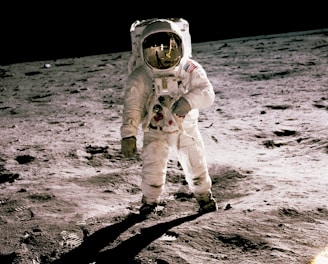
(162, 45)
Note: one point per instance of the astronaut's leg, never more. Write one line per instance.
(191, 155)
(154, 157)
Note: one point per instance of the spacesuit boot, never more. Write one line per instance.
(147, 208)
(206, 203)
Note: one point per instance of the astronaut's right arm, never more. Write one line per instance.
(135, 98)
(131, 113)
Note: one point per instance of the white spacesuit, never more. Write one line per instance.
(164, 92)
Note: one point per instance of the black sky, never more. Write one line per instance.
(53, 30)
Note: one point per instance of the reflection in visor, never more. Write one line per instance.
(162, 50)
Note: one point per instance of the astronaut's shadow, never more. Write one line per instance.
(90, 250)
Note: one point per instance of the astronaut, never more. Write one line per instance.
(164, 94)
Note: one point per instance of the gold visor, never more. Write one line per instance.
(162, 50)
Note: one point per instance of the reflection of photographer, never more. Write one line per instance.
(164, 92)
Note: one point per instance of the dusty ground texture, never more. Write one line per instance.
(68, 195)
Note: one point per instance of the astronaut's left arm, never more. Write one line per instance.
(200, 94)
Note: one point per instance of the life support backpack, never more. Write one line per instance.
(136, 30)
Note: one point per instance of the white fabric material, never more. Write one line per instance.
(163, 131)
(189, 149)
(198, 92)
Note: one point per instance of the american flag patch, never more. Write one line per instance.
(189, 66)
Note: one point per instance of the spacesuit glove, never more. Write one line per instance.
(129, 146)
(181, 107)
